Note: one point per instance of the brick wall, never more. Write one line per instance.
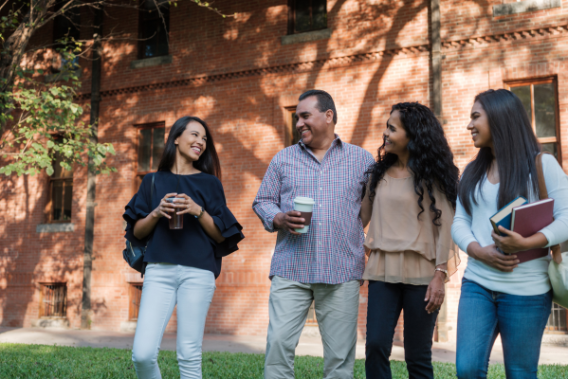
(236, 75)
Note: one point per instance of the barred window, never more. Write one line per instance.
(151, 141)
(292, 137)
(53, 300)
(134, 295)
(61, 193)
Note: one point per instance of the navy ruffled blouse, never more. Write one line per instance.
(189, 246)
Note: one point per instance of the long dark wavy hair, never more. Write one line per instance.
(515, 148)
(431, 160)
(208, 162)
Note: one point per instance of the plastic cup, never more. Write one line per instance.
(176, 222)
(306, 206)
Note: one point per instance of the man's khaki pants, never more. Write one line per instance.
(337, 308)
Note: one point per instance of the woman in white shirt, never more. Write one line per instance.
(499, 294)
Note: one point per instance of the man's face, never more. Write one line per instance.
(313, 125)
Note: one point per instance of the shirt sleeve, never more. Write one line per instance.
(224, 219)
(139, 207)
(266, 205)
(557, 188)
(461, 228)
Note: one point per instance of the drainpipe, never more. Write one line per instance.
(436, 66)
(86, 311)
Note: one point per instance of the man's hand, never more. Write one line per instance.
(493, 257)
(289, 221)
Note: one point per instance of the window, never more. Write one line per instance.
(292, 137)
(53, 300)
(154, 26)
(306, 15)
(539, 98)
(61, 193)
(66, 26)
(134, 294)
(150, 148)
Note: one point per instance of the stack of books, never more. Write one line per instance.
(526, 219)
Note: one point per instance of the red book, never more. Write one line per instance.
(530, 219)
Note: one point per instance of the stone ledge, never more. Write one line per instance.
(524, 6)
(51, 323)
(128, 326)
(55, 228)
(151, 62)
(306, 37)
(551, 339)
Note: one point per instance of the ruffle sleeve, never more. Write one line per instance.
(137, 208)
(226, 222)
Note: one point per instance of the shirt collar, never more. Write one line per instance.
(337, 141)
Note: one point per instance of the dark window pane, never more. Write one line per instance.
(550, 148)
(66, 25)
(545, 110)
(67, 199)
(157, 147)
(319, 14)
(302, 16)
(57, 199)
(144, 149)
(154, 30)
(524, 93)
(295, 134)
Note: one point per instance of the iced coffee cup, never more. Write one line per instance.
(305, 206)
(176, 221)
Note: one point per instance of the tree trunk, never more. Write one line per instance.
(86, 311)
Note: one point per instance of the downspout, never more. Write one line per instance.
(86, 311)
(436, 67)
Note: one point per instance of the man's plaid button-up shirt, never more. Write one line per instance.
(332, 251)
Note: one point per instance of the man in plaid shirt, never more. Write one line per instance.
(325, 264)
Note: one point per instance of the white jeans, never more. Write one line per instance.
(166, 285)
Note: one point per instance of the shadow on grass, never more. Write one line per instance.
(18, 361)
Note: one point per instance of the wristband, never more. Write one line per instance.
(201, 214)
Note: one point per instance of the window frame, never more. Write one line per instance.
(41, 310)
(139, 175)
(292, 18)
(49, 206)
(290, 125)
(134, 293)
(141, 42)
(531, 82)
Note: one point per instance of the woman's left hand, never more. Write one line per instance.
(187, 205)
(435, 293)
(510, 242)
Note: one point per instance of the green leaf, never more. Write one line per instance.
(49, 170)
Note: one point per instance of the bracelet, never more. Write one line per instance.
(442, 270)
(201, 214)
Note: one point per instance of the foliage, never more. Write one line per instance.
(49, 362)
(48, 122)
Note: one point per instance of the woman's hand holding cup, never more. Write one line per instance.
(187, 205)
(165, 207)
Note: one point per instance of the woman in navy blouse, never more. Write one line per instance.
(182, 264)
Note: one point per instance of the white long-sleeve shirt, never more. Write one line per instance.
(529, 278)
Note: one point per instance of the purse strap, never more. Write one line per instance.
(543, 194)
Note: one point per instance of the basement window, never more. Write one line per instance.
(53, 300)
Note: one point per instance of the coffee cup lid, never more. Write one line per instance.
(304, 200)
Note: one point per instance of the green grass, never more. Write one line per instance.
(50, 362)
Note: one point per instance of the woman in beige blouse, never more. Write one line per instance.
(410, 203)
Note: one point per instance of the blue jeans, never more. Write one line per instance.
(386, 301)
(166, 285)
(483, 314)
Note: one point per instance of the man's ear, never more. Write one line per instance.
(329, 116)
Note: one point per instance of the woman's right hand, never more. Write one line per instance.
(164, 208)
(493, 257)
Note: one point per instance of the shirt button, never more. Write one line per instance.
(319, 224)
(320, 205)
(321, 189)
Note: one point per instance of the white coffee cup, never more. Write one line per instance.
(304, 204)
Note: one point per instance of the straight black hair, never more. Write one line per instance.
(515, 148)
(325, 101)
(208, 162)
(431, 160)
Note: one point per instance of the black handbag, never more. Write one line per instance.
(133, 254)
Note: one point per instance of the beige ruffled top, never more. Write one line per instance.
(405, 249)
